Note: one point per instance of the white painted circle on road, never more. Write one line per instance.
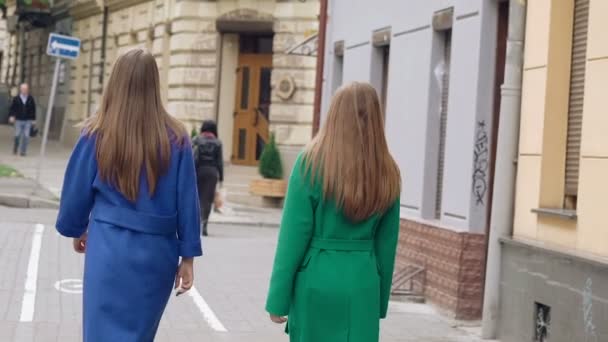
(71, 286)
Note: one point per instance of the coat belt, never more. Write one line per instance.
(135, 220)
(342, 245)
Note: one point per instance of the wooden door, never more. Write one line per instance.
(251, 108)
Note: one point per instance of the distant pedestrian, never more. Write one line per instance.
(334, 262)
(130, 203)
(23, 114)
(209, 163)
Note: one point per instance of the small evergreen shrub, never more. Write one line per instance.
(271, 166)
(194, 133)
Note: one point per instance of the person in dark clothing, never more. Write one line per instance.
(23, 114)
(209, 167)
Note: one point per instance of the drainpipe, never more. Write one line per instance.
(219, 55)
(7, 56)
(501, 225)
(104, 37)
(316, 119)
(21, 45)
(90, 89)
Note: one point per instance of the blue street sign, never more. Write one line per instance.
(63, 46)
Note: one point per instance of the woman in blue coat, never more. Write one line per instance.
(130, 202)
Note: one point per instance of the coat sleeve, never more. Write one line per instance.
(294, 238)
(188, 208)
(13, 110)
(386, 248)
(78, 194)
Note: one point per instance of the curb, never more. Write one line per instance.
(33, 202)
(16, 201)
(229, 222)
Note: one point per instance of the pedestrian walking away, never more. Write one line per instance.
(130, 203)
(209, 168)
(336, 251)
(22, 114)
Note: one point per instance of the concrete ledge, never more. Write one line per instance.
(16, 201)
(245, 220)
(247, 223)
(247, 216)
(557, 251)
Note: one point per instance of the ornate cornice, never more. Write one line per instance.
(85, 8)
(115, 5)
(245, 20)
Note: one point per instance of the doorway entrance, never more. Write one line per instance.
(251, 114)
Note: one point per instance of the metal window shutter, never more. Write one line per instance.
(445, 86)
(577, 88)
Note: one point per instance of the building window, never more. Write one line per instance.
(575, 104)
(384, 89)
(380, 70)
(255, 44)
(445, 86)
(338, 67)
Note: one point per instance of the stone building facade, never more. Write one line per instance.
(437, 66)
(198, 46)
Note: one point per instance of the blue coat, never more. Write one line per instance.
(133, 248)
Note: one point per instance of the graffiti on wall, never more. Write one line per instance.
(481, 158)
(590, 334)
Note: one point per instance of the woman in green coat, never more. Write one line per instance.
(336, 252)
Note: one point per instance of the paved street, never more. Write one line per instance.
(231, 279)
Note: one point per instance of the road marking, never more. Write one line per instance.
(208, 314)
(29, 296)
(71, 286)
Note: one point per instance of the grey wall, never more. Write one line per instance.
(574, 287)
(414, 93)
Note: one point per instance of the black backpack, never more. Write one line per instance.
(207, 150)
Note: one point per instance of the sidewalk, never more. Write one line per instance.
(51, 176)
(51, 180)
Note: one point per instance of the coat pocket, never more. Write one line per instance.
(305, 262)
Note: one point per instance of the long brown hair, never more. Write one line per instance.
(350, 156)
(132, 128)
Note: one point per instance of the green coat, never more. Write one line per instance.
(331, 277)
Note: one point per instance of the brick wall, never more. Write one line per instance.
(454, 264)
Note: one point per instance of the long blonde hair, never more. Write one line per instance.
(350, 156)
(132, 128)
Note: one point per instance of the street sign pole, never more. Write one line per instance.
(47, 119)
(60, 47)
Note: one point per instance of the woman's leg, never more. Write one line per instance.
(207, 182)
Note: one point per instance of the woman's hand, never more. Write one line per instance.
(278, 319)
(185, 275)
(80, 244)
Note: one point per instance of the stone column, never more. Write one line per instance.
(192, 62)
(291, 119)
